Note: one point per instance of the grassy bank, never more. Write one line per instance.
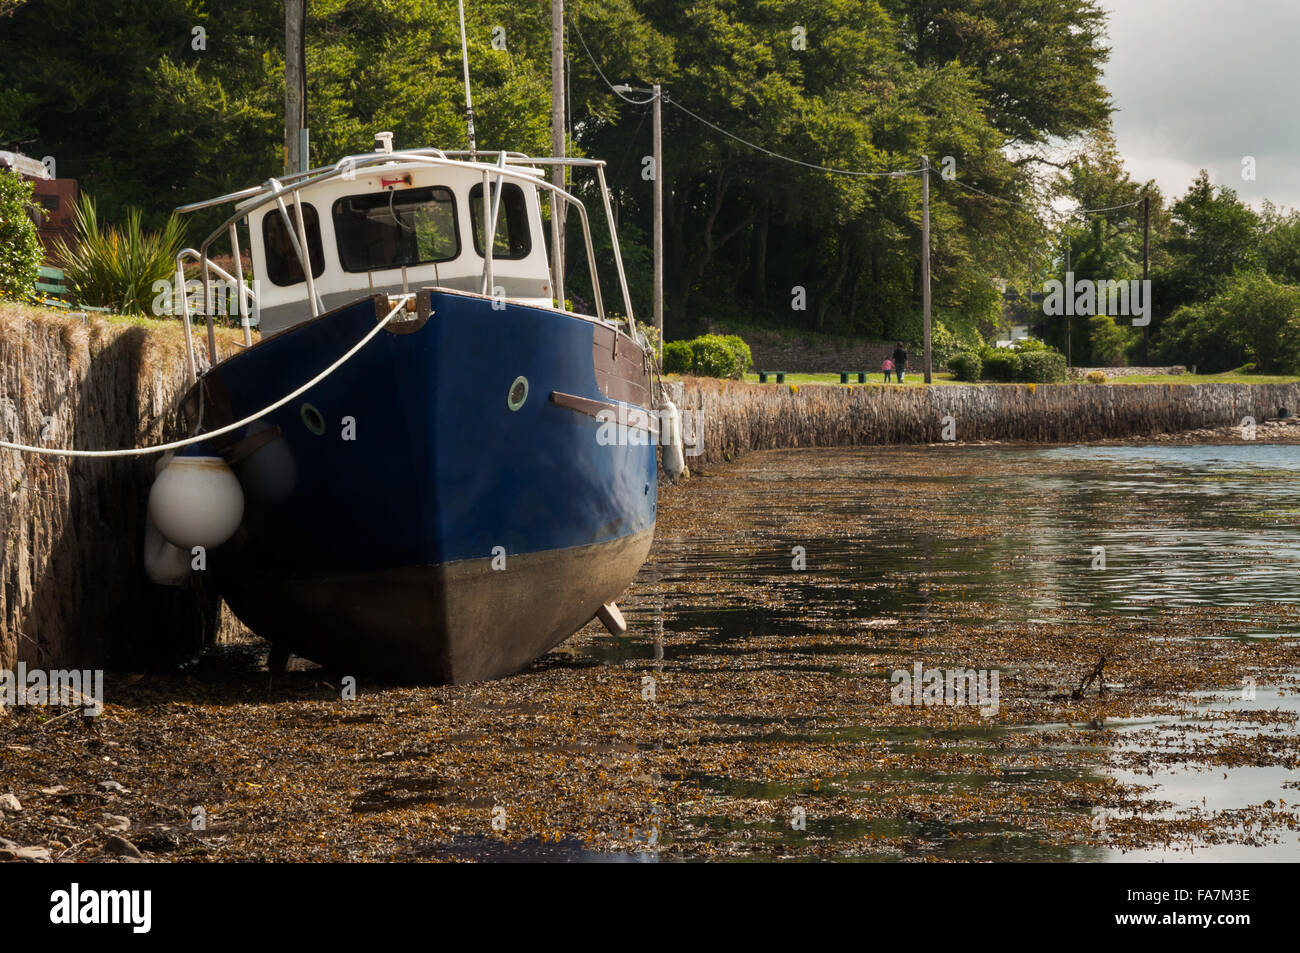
(915, 379)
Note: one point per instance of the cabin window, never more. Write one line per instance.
(512, 238)
(282, 264)
(381, 230)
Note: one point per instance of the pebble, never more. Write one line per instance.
(117, 823)
(9, 803)
(33, 854)
(122, 847)
(112, 786)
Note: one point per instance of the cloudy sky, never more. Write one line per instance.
(1203, 84)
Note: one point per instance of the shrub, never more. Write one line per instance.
(117, 267)
(1029, 346)
(1253, 319)
(744, 358)
(966, 366)
(1001, 364)
(1095, 377)
(678, 357)
(20, 248)
(1042, 367)
(1110, 341)
(713, 357)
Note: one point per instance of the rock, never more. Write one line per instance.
(117, 823)
(7, 844)
(9, 803)
(122, 847)
(38, 855)
(54, 791)
(159, 841)
(112, 787)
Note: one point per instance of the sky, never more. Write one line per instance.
(1204, 84)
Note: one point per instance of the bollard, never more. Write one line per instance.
(844, 378)
(862, 377)
(780, 377)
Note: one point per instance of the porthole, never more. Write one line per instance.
(518, 393)
(312, 419)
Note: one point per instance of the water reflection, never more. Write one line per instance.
(895, 556)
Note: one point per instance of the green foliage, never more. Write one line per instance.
(966, 366)
(678, 357)
(1041, 366)
(20, 248)
(1110, 341)
(1213, 236)
(1254, 319)
(1000, 364)
(881, 82)
(744, 358)
(116, 267)
(713, 357)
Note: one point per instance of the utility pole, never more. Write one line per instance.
(295, 86)
(1146, 263)
(1069, 304)
(558, 146)
(659, 222)
(925, 258)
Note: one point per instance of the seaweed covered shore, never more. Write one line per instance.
(752, 711)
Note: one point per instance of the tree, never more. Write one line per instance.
(20, 247)
(1253, 320)
(1212, 238)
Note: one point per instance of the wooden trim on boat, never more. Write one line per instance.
(634, 417)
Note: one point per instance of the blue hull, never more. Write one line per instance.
(492, 532)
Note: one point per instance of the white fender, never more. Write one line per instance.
(196, 501)
(164, 564)
(670, 439)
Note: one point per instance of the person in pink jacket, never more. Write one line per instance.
(888, 368)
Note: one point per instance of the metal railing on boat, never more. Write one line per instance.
(275, 190)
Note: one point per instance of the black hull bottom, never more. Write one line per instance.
(449, 624)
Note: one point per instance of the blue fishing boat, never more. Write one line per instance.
(427, 467)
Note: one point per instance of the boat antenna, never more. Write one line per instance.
(464, 59)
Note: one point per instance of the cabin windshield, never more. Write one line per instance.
(392, 229)
(511, 240)
(282, 264)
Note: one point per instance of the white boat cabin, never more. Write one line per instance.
(390, 222)
(392, 227)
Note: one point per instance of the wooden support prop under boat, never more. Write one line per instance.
(612, 618)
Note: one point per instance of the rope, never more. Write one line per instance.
(189, 441)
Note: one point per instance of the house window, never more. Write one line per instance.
(282, 264)
(382, 230)
(512, 238)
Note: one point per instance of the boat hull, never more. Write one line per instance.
(409, 517)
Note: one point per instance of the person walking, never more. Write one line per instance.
(888, 368)
(900, 361)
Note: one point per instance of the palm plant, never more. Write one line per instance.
(111, 267)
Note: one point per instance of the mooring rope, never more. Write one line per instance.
(189, 441)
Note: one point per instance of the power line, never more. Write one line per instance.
(1026, 205)
(899, 173)
(732, 135)
(807, 165)
(617, 91)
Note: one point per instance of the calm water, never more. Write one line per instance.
(1215, 526)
